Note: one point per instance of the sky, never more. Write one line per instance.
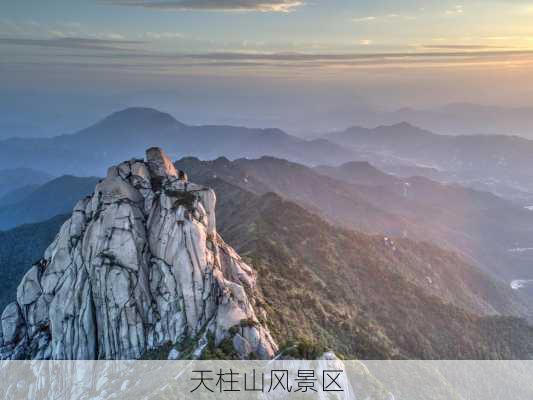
(294, 64)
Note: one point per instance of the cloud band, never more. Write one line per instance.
(212, 5)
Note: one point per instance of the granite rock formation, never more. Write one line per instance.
(137, 266)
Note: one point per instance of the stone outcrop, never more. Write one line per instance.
(137, 266)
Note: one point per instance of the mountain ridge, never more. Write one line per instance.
(403, 128)
(501, 163)
(342, 281)
(15, 178)
(56, 196)
(470, 222)
(91, 150)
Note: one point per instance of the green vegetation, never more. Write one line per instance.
(247, 323)
(303, 349)
(224, 351)
(353, 294)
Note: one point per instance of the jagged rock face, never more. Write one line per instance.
(139, 264)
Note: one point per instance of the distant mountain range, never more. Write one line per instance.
(501, 164)
(495, 163)
(17, 178)
(38, 203)
(452, 119)
(308, 120)
(129, 132)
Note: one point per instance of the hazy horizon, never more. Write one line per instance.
(301, 66)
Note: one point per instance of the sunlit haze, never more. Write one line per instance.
(299, 65)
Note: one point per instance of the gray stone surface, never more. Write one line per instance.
(139, 264)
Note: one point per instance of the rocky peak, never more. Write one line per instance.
(159, 163)
(138, 265)
(134, 115)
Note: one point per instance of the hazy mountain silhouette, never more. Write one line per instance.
(14, 178)
(451, 119)
(467, 119)
(496, 162)
(55, 197)
(131, 131)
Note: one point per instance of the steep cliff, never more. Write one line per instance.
(137, 266)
